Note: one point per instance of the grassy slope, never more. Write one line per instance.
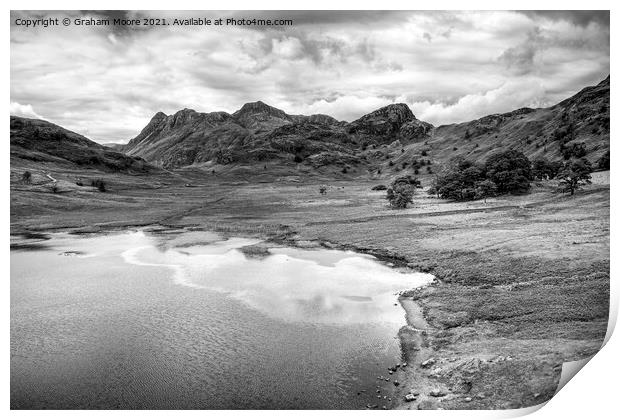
(525, 277)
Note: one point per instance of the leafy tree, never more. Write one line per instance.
(510, 171)
(543, 169)
(485, 189)
(575, 174)
(400, 194)
(576, 150)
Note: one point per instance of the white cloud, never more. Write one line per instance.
(112, 82)
(26, 111)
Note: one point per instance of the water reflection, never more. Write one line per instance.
(298, 285)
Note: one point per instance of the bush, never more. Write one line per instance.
(298, 159)
(574, 175)
(424, 152)
(323, 189)
(379, 187)
(27, 177)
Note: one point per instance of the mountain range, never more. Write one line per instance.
(388, 139)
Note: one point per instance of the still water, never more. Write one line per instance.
(193, 320)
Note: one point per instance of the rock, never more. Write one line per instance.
(414, 392)
(384, 408)
(410, 397)
(467, 399)
(426, 405)
(372, 406)
(437, 393)
(481, 396)
(405, 364)
(427, 363)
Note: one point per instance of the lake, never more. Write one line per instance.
(189, 319)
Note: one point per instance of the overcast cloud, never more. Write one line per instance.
(107, 83)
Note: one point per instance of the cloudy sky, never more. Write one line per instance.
(107, 82)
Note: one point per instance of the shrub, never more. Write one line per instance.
(574, 175)
(344, 170)
(27, 177)
(424, 152)
(297, 159)
(379, 187)
(323, 189)
(54, 188)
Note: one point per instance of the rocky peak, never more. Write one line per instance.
(258, 114)
(259, 107)
(384, 121)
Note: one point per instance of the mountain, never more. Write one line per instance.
(258, 132)
(41, 141)
(388, 139)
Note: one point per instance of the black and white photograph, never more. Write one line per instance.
(306, 209)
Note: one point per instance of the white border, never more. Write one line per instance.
(592, 394)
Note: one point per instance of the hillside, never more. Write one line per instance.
(40, 141)
(575, 127)
(389, 139)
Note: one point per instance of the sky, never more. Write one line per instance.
(449, 66)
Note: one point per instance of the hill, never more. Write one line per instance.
(41, 141)
(389, 139)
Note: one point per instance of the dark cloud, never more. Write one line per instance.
(578, 17)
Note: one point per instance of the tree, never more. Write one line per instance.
(400, 194)
(575, 174)
(485, 189)
(603, 162)
(543, 169)
(27, 177)
(510, 170)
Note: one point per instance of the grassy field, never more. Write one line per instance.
(523, 281)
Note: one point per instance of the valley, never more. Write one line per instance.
(522, 280)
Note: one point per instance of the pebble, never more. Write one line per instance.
(437, 393)
(427, 363)
(410, 397)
